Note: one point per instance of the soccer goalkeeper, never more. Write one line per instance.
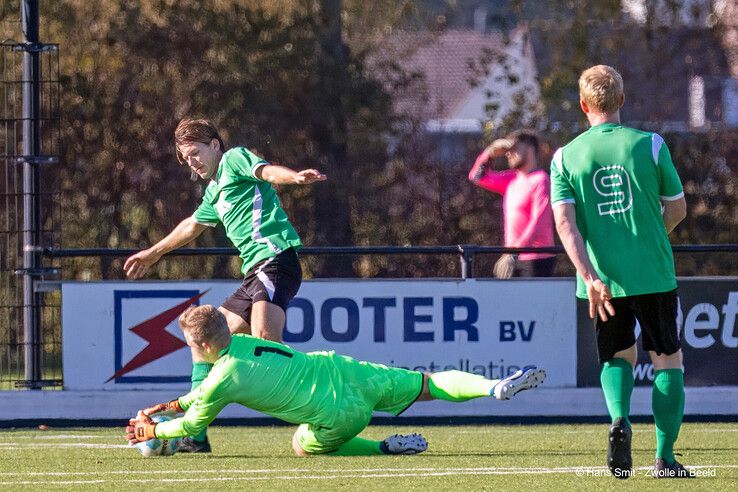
(331, 396)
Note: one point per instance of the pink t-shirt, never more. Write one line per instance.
(527, 208)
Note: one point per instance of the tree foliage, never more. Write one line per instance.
(290, 80)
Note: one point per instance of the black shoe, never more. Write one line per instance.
(619, 460)
(189, 445)
(662, 469)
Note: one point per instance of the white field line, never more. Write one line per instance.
(61, 436)
(12, 445)
(490, 430)
(337, 474)
(583, 431)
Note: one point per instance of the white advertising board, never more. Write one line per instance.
(124, 335)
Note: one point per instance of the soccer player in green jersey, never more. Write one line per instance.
(240, 195)
(330, 396)
(616, 196)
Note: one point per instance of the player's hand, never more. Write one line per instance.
(599, 300)
(140, 429)
(137, 265)
(505, 266)
(309, 176)
(499, 147)
(170, 408)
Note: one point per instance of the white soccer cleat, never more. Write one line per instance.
(523, 379)
(404, 444)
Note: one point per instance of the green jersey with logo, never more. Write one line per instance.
(318, 388)
(248, 207)
(616, 177)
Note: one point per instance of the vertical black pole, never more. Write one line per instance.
(31, 201)
(466, 257)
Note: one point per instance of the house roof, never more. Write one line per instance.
(440, 68)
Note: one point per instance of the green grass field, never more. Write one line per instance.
(491, 457)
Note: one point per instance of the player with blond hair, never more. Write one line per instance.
(616, 196)
(330, 396)
(240, 195)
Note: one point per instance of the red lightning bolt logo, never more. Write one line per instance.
(160, 341)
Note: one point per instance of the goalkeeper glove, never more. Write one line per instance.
(140, 429)
(169, 409)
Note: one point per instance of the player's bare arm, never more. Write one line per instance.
(675, 211)
(281, 175)
(186, 231)
(597, 292)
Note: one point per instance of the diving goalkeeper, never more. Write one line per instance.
(331, 396)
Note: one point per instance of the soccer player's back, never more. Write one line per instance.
(620, 175)
(268, 377)
(608, 189)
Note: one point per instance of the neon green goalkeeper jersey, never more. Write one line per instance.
(268, 377)
(248, 207)
(616, 177)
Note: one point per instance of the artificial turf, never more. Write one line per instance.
(472, 457)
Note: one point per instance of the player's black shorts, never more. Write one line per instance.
(541, 267)
(656, 313)
(276, 280)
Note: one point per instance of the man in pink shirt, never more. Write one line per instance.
(526, 205)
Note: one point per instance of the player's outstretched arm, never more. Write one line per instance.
(280, 175)
(186, 231)
(598, 293)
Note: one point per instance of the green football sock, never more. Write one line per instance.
(617, 385)
(668, 410)
(358, 447)
(459, 386)
(200, 371)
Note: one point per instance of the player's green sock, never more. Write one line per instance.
(200, 371)
(617, 384)
(459, 386)
(668, 410)
(358, 447)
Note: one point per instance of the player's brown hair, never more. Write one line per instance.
(204, 324)
(601, 87)
(526, 137)
(195, 130)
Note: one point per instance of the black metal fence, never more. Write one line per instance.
(30, 342)
(466, 253)
(12, 376)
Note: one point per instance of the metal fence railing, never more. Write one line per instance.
(12, 374)
(466, 253)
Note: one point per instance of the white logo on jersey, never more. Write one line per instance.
(613, 182)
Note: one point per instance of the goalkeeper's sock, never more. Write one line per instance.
(358, 447)
(200, 371)
(617, 385)
(668, 410)
(459, 386)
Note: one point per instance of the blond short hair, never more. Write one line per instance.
(601, 87)
(204, 324)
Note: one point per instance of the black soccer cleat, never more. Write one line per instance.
(189, 445)
(662, 469)
(404, 444)
(619, 459)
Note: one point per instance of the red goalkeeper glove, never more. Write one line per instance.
(169, 409)
(140, 429)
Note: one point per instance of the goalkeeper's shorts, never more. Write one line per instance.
(368, 387)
